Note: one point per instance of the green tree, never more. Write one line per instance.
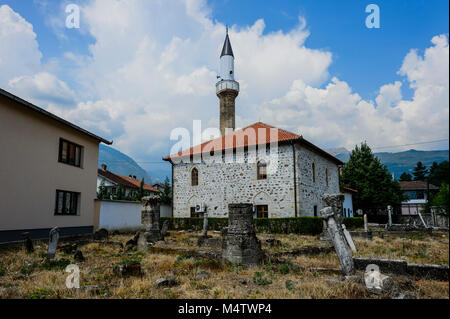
(375, 185)
(120, 193)
(165, 195)
(420, 172)
(441, 199)
(439, 173)
(405, 177)
(141, 192)
(102, 192)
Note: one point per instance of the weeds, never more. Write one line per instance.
(260, 279)
(40, 293)
(55, 264)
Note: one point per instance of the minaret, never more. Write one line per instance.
(227, 89)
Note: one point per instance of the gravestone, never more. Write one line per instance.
(240, 245)
(324, 236)
(366, 223)
(150, 218)
(165, 228)
(390, 210)
(101, 234)
(349, 239)
(142, 244)
(53, 242)
(332, 204)
(28, 242)
(205, 224)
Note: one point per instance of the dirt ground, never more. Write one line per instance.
(31, 276)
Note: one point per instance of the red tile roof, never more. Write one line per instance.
(416, 185)
(348, 189)
(240, 139)
(127, 182)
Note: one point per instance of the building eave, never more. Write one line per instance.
(51, 115)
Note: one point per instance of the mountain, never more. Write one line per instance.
(400, 162)
(121, 164)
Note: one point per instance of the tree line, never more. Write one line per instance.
(377, 188)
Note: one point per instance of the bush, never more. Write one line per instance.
(300, 225)
(353, 222)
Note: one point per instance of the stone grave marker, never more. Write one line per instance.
(53, 242)
(330, 213)
(240, 245)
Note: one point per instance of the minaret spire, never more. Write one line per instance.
(227, 89)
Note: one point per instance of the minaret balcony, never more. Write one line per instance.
(224, 85)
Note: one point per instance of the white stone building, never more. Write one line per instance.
(286, 180)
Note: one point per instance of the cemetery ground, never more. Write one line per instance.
(284, 274)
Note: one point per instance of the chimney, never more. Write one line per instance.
(134, 176)
(104, 167)
(130, 176)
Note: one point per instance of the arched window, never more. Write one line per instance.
(262, 170)
(194, 177)
(314, 172)
(326, 176)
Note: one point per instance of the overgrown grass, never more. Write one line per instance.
(291, 278)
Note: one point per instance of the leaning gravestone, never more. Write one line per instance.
(150, 218)
(53, 242)
(330, 213)
(240, 245)
(349, 239)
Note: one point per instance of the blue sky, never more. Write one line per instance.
(366, 58)
(339, 58)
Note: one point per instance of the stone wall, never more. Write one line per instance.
(221, 184)
(310, 193)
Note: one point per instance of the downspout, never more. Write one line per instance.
(295, 178)
(173, 194)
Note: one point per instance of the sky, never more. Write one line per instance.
(137, 69)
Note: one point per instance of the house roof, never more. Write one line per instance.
(239, 139)
(37, 109)
(415, 185)
(348, 189)
(127, 182)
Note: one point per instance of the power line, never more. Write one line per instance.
(420, 143)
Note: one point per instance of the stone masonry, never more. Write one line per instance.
(221, 184)
(240, 244)
(150, 218)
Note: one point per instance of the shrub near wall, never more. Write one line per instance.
(299, 225)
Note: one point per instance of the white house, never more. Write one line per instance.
(416, 193)
(348, 209)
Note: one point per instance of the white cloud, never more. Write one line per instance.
(44, 88)
(19, 49)
(336, 116)
(153, 67)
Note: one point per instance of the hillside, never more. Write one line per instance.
(398, 163)
(121, 164)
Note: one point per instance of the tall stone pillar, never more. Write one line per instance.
(240, 245)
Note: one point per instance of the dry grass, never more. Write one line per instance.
(25, 275)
